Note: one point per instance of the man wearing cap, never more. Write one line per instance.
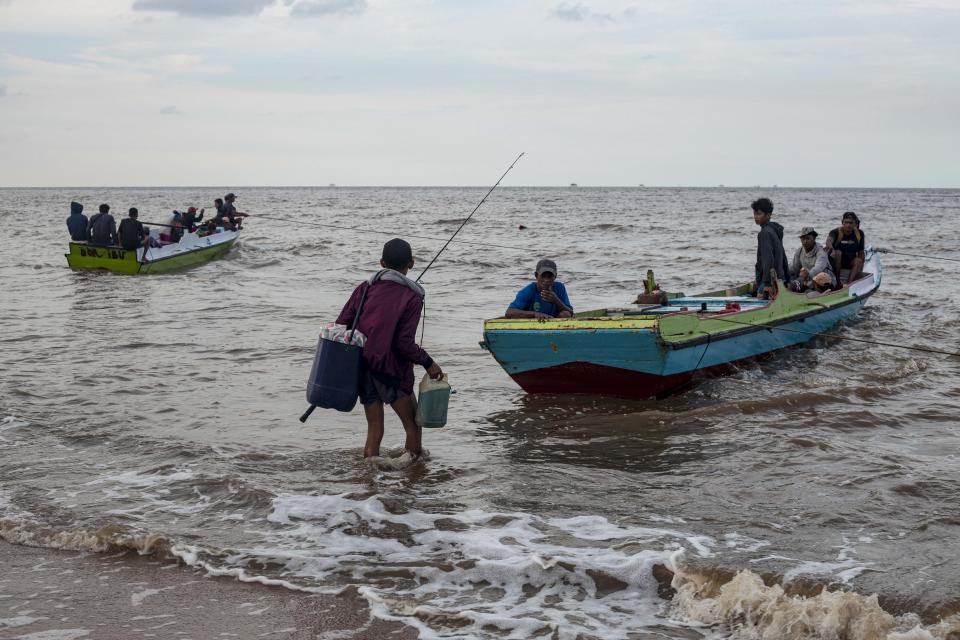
(543, 298)
(389, 319)
(810, 260)
(229, 211)
(190, 219)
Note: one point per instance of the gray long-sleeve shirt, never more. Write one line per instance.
(815, 261)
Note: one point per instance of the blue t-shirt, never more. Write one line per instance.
(530, 296)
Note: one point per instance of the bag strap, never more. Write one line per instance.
(363, 299)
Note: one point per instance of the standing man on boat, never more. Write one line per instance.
(389, 319)
(103, 228)
(544, 298)
(77, 223)
(770, 253)
(131, 231)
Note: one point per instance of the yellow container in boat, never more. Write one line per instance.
(433, 401)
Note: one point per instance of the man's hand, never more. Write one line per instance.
(550, 296)
(434, 371)
(541, 317)
(804, 274)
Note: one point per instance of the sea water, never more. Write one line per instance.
(160, 413)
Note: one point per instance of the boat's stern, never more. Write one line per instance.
(87, 256)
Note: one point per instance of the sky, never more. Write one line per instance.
(859, 93)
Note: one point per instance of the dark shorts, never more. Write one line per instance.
(373, 388)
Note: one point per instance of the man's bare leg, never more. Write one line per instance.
(374, 414)
(406, 409)
(856, 268)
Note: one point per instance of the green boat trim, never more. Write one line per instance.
(189, 252)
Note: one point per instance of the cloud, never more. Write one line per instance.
(205, 8)
(170, 110)
(317, 8)
(579, 13)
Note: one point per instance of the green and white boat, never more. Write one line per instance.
(189, 252)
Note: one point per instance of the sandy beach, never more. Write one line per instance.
(47, 594)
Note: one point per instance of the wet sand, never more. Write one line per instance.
(47, 594)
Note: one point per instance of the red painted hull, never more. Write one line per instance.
(588, 378)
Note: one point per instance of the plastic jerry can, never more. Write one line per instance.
(433, 401)
(335, 378)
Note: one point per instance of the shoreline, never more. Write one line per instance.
(66, 595)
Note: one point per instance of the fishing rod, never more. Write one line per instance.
(467, 219)
(386, 233)
(916, 255)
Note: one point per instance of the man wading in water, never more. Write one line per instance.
(389, 320)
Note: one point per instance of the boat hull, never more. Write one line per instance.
(190, 252)
(642, 356)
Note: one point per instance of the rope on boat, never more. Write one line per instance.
(839, 337)
(390, 233)
(916, 255)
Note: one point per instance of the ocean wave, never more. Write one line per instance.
(748, 606)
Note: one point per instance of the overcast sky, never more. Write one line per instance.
(448, 92)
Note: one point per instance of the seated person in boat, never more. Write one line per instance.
(174, 228)
(770, 253)
(543, 298)
(191, 218)
(131, 231)
(809, 260)
(77, 223)
(103, 228)
(845, 246)
(228, 214)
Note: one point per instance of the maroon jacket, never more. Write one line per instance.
(389, 320)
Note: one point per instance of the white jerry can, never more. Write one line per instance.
(433, 401)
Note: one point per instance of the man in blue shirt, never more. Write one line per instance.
(543, 298)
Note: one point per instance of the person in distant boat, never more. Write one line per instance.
(174, 229)
(809, 260)
(191, 218)
(543, 298)
(389, 319)
(770, 253)
(845, 246)
(131, 231)
(103, 228)
(229, 212)
(77, 223)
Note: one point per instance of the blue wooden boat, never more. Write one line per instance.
(659, 348)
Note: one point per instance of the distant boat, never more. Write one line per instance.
(331, 185)
(663, 346)
(191, 251)
(573, 184)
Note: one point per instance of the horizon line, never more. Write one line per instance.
(477, 186)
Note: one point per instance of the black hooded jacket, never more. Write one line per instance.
(770, 254)
(77, 222)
